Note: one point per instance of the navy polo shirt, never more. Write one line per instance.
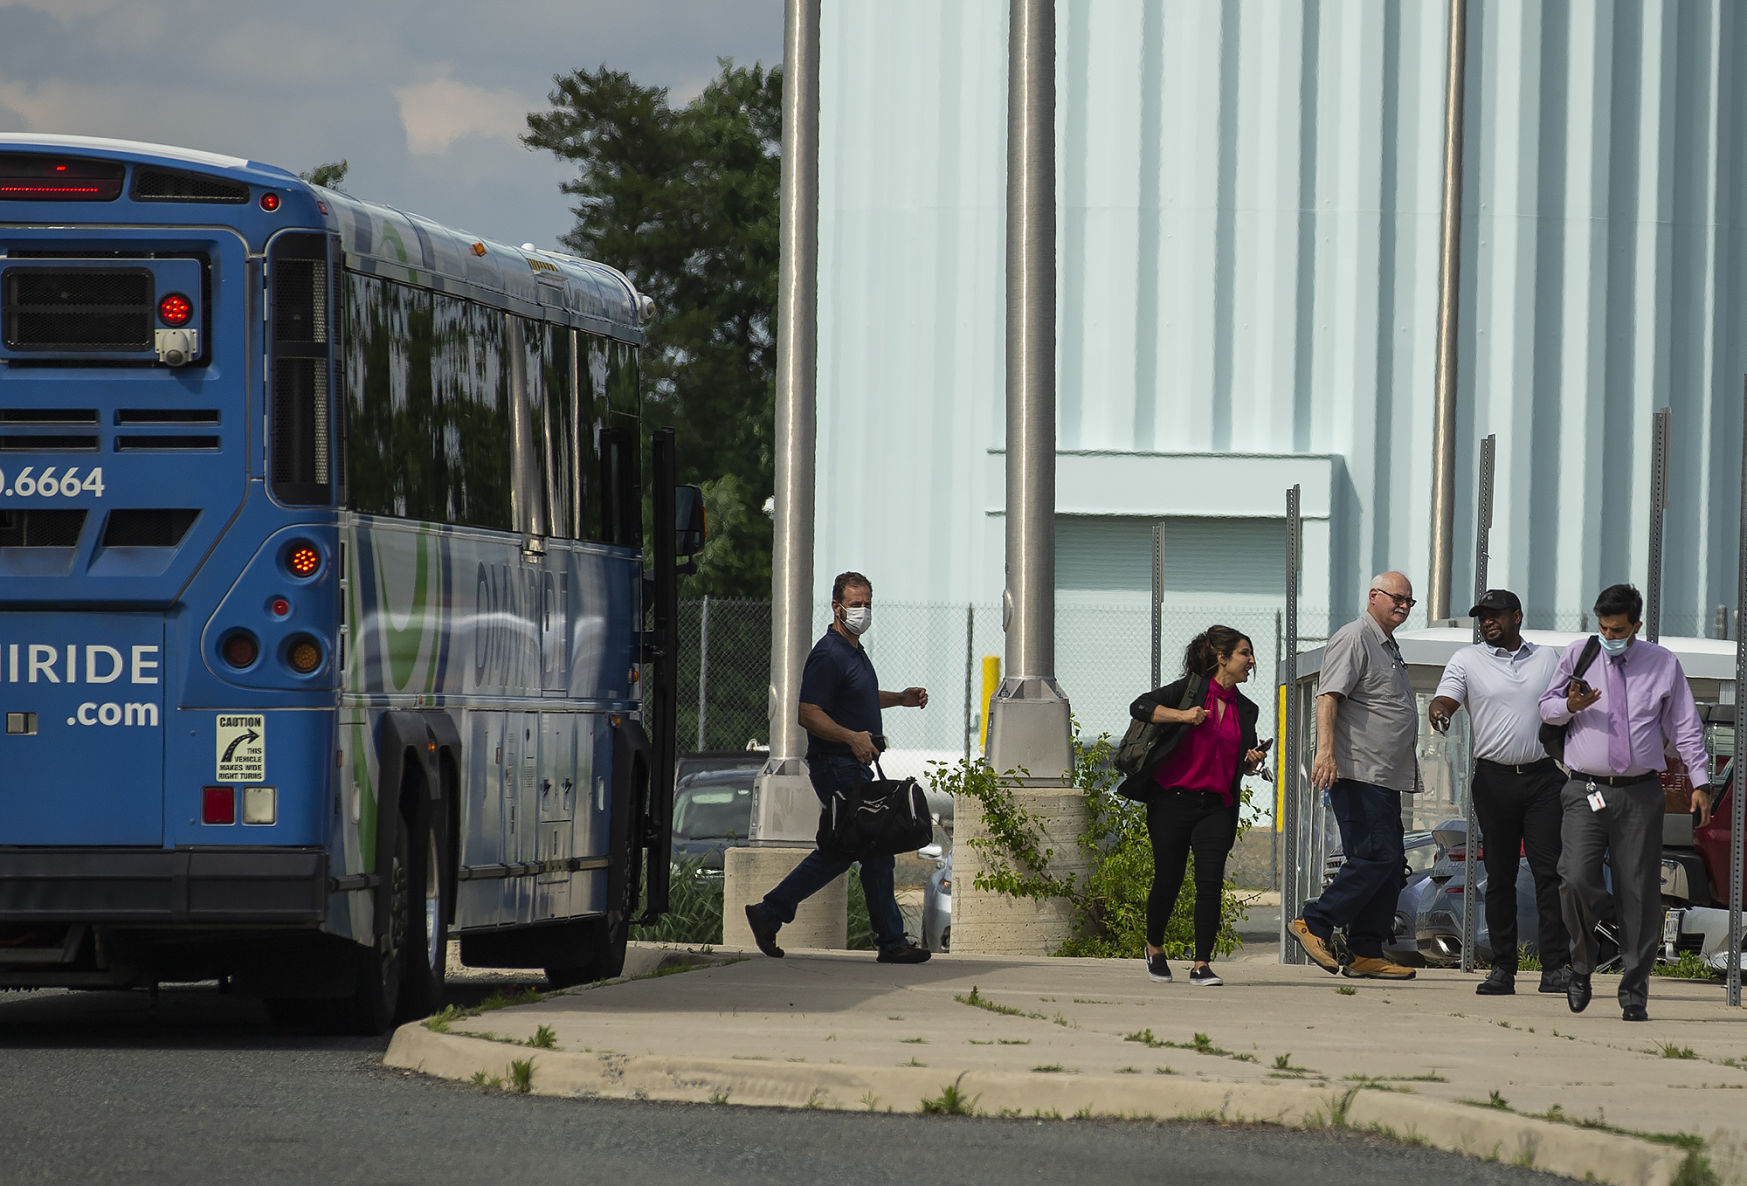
(839, 679)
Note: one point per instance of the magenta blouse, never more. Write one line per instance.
(1207, 758)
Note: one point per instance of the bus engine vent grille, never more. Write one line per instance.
(173, 185)
(78, 308)
(147, 528)
(37, 528)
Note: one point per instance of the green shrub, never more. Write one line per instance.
(1109, 901)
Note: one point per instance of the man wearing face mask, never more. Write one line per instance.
(1631, 705)
(841, 702)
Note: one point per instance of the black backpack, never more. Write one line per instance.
(1553, 736)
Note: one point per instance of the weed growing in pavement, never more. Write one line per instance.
(440, 1021)
(980, 1001)
(502, 1000)
(1128, 1070)
(1091, 1001)
(815, 1099)
(1496, 1100)
(545, 1038)
(1144, 1037)
(950, 1102)
(869, 1100)
(1690, 966)
(719, 1096)
(1163, 1071)
(1670, 1050)
(1050, 1068)
(522, 1076)
(1012, 1041)
(983, 1042)
(914, 1041)
(1346, 990)
(915, 1062)
(493, 1082)
(1283, 1065)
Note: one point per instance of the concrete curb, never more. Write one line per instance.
(1477, 1132)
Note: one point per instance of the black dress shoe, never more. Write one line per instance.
(1634, 1013)
(1500, 982)
(1577, 992)
(1556, 981)
(763, 930)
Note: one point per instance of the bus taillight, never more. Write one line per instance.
(218, 805)
(304, 655)
(303, 561)
(175, 309)
(240, 648)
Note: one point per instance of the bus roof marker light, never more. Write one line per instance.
(479, 249)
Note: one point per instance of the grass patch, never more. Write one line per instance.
(441, 1021)
(522, 1076)
(950, 1102)
(1670, 1050)
(1690, 966)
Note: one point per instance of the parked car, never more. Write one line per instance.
(937, 904)
(712, 809)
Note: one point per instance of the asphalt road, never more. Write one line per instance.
(197, 1088)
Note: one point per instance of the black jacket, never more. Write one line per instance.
(1141, 785)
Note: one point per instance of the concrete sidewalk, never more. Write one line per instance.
(1073, 1037)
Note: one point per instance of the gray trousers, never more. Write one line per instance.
(1629, 830)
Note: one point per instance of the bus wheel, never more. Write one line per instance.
(427, 939)
(377, 972)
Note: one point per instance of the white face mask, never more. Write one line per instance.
(1615, 646)
(856, 620)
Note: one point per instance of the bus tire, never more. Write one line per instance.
(427, 939)
(377, 972)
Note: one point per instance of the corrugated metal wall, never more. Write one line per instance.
(1248, 264)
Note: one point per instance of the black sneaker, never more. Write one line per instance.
(1158, 969)
(909, 953)
(763, 930)
(1204, 976)
(1500, 982)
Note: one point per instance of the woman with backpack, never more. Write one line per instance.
(1190, 782)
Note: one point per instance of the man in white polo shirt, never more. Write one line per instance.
(1516, 785)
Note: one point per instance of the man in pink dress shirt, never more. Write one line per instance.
(1629, 706)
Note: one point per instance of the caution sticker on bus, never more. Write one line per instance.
(242, 748)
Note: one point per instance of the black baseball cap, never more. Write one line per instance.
(1496, 599)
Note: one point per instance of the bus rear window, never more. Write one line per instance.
(31, 178)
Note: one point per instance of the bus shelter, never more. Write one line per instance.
(1446, 760)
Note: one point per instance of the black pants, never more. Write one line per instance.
(1521, 814)
(1179, 820)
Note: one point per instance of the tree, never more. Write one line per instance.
(683, 200)
(328, 175)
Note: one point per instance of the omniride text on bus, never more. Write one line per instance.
(325, 632)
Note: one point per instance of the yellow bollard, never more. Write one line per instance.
(991, 681)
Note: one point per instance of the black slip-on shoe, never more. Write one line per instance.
(1206, 977)
(909, 953)
(1500, 982)
(1158, 969)
(763, 930)
(1577, 992)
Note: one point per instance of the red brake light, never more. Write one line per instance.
(218, 805)
(175, 309)
(280, 607)
(240, 649)
(269, 202)
(303, 561)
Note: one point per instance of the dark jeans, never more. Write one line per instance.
(1179, 820)
(817, 869)
(1363, 894)
(1520, 813)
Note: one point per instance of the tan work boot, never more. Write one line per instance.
(1317, 949)
(1370, 967)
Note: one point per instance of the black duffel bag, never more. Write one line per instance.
(883, 817)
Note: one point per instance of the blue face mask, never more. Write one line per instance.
(1615, 646)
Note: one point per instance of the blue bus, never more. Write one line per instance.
(325, 628)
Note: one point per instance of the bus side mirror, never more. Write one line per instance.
(689, 526)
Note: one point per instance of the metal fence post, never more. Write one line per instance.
(1482, 544)
(1739, 814)
(1291, 892)
(970, 635)
(1158, 606)
(1659, 437)
(703, 667)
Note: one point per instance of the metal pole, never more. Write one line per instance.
(703, 666)
(1482, 546)
(1738, 815)
(1659, 438)
(1291, 892)
(970, 635)
(1029, 722)
(1449, 288)
(1158, 602)
(783, 798)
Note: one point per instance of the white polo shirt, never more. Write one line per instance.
(1502, 690)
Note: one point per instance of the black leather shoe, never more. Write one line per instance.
(1556, 981)
(763, 930)
(1500, 982)
(1634, 1013)
(1577, 992)
(909, 953)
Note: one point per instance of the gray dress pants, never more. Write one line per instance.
(1629, 830)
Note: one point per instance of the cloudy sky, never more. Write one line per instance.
(424, 98)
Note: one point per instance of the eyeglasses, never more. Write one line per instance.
(1400, 599)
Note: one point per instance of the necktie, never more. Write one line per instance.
(1619, 732)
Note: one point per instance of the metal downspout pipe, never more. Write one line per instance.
(1449, 289)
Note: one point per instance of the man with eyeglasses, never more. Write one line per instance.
(1516, 785)
(1630, 703)
(1366, 731)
